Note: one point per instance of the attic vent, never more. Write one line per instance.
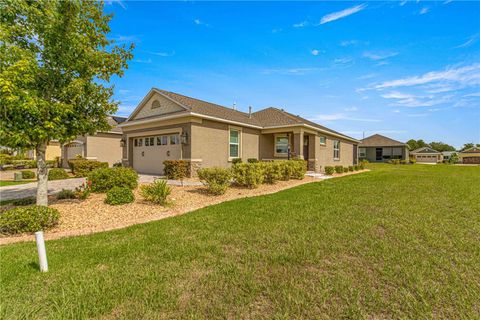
(155, 104)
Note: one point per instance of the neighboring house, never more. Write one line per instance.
(170, 126)
(448, 154)
(470, 156)
(102, 146)
(426, 155)
(378, 148)
(52, 152)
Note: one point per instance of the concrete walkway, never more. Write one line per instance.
(30, 189)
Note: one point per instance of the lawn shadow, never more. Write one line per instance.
(34, 265)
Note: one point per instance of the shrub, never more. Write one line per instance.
(356, 167)
(83, 192)
(217, 180)
(345, 169)
(252, 160)
(24, 201)
(82, 167)
(27, 174)
(413, 160)
(119, 195)
(29, 219)
(236, 161)
(249, 175)
(117, 164)
(272, 172)
(156, 192)
(176, 169)
(350, 168)
(66, 194)
(57, 174)
(299, 168)
(338, 169)
(403, 161)
(329, 170)
(286, 170)
(102, 180)
(23, 163)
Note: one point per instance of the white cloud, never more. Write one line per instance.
(367, 76)
(424, 10)
(447, 1)
(403, 3)
(199, 22)
(161, 54)
(475, 94)
(277, 30)
(143, 60)
(119, 2)
(379, 55)
(396, 111)
(300, 24)
(340, 116)
(315, 52)
(471, 40)
(342, 60)
(124, 91)
(410, 100)
(351, 109)
(290, 71)
(416, 115)
(342, 14)
(367, 133)
(346, 43)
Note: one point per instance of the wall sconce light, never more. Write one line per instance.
(122, 142)
(184, 137)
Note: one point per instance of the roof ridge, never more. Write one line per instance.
(215, 104)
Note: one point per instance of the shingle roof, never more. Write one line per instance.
(471, 150)
(377, 140)
(425, 150)
(114, 121)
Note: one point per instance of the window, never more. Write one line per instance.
(234, 144)
(135, 142)
(162, 141)
(323, 140)
(174, 139)
(362, 152)
(281, 145)
(336, 149)
(140, 142)
(156, 104)
(152, 141)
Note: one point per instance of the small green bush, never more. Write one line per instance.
(119, 195)
(176, 169)
(299, 168)
(23, 163)
(82, 167)
(286, 170)
(24, 201)
(329, 170)
(156, 192)
(83, 192)
(412, 160)
(350, 168)
(249, 175)
(29, 219)
(66, 194)
(356, 167)
(403, 162)
(236, 161)
(27, 174)
(338, 169)
(102, 180)
(252, 160)
(272, 172)
(57, 174)
(117, 164)
(217, 180)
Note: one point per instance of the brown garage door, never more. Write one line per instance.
(471, 160)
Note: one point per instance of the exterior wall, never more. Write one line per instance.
(104, 147)
(210, 143)
(166, 106)
(267, 146)
(325, 153)
(53, 151)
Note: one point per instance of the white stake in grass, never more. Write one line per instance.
(42, 253)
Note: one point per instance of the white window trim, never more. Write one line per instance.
(283, 135)
(364, 154)
(240, 139)
(336, 159)
(324, 143)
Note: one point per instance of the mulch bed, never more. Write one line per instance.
(80, 217)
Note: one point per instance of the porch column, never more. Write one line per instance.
(298, 144)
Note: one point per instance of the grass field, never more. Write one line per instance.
(4, 183)
(396, 242)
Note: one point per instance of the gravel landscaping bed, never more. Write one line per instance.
(93, 215)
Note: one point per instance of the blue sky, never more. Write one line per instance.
(407, 69)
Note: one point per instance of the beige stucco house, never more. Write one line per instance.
(171, 126)
(102, 146)
(470, 156)
(426, 155)
(378, 148)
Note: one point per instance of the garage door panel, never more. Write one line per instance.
(149, 159)
(427, 159)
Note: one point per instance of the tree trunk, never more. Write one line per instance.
(42, 174)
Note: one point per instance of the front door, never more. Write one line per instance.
(378, 154)
(305, 147)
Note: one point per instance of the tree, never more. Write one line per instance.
(469, 145)
(55, 65)
(440, 146)
(415, 144)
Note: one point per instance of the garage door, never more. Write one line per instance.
(149, 152)
(471, 160)
(427, 159)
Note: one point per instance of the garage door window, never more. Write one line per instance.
(149, 142)
(135, 142)
(140, 142)
(174, 139)
(162, 141)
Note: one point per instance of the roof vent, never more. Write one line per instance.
(249, 111)
(234, 105)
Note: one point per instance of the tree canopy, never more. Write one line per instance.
(439, 146)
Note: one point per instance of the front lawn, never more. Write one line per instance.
(397, 242)
(4, 183)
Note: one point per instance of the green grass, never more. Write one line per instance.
(4, 183)
(396, 242)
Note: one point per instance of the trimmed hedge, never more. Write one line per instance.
(156, 192)
(66, 194)
(119, 195)
(338, 169)
(176, 169)
(329, 170)
(57, 174)
(217, 180)
(252, 160)
(82, 167)
(236, 161)
(27, 174)
(350, 168)
(104, 179)
(272, 172)
(248, 175)
(28, 219)
(299, 169)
